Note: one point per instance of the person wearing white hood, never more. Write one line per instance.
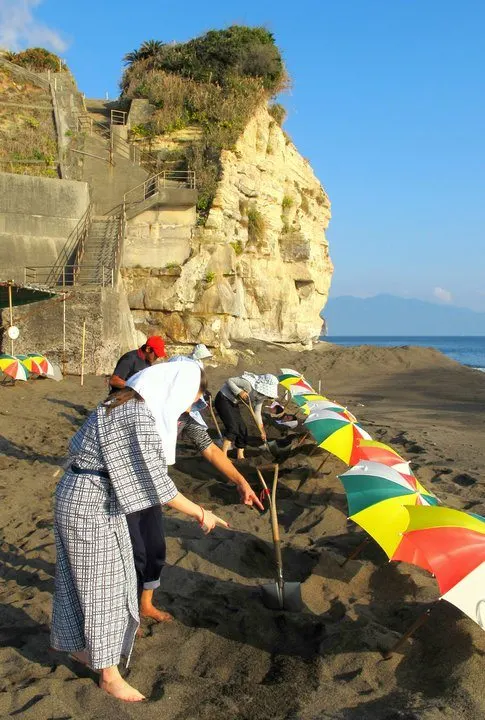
(118, 466)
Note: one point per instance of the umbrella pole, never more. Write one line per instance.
(10, 307)
(356, 552)
(214, 418)
(83, 347)
(321, 464)
(253, 415)
(416, 624)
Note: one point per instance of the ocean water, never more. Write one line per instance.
(468, 351)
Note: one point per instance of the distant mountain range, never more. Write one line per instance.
(391, 315)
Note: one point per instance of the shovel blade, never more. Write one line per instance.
(287, 598)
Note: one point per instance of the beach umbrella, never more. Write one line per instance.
(381, 453)
(335, 433)
(453, 543)
(294, 381)
(311, 403)
(450, 544)
(12, 366)
(377, 497)
(45, 365)
(31, 364)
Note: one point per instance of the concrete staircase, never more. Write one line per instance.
(100, 247)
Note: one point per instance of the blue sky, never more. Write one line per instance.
(388, 104)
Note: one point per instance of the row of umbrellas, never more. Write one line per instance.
(20, 367)
(387, 500)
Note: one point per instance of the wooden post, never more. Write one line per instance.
(319, 387)
(83, 346)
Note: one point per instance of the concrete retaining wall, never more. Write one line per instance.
(109, 329)
(36, 217)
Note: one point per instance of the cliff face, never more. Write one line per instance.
(260, 266)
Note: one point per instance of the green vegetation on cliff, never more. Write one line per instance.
(215, 83)
(37, 60)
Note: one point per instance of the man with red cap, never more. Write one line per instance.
(135, 360)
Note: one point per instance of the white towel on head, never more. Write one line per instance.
(168, 390)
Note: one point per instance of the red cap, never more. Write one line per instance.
(157, 345)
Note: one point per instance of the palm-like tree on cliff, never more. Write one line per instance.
(149, 48)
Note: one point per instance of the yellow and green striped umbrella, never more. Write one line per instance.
(335, 433)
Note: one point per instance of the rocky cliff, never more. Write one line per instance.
(260, 266)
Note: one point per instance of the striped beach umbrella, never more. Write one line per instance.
(293, 381)
(377, 495)
(43, 363)
(12, 366)
(376, 451)
(453, 545)
(31, 364)
(335, 433)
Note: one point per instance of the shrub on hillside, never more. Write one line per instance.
(278, 113)
(37, 59)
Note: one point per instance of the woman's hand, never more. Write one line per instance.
(263, 433)
(248, 496)
(208, 521)
(244, 396)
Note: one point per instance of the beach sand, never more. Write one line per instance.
(226, 656)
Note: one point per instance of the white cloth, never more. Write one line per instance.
(201, 404)
(168, 390)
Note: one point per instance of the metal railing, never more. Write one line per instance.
(70, 275)
(72, 252)
(164, 179)
(118, 117)
(22, 72)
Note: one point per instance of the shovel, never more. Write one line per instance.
(281, 595)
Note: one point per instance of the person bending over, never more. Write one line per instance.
(251, 389)
(135, 360)
(118, 467)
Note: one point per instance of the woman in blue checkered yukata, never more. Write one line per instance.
(118, 466)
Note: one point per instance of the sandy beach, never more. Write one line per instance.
(227, 657)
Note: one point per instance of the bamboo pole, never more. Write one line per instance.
(64, 334)
(83, 347)
(253, 415)
(319, 387)
(10, 307)
(265, 487)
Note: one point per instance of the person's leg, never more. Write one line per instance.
(111, 682)
(134, 521)
(241, 431)
(226, 412)
(151, 529)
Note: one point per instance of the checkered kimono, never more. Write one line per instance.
(95, 598)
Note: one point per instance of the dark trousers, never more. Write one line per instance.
(230, 414)
(148, 541)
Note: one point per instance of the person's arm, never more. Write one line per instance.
(240, 387)
(121, 373)
(206, 519)
(220, 461)
(257, 407)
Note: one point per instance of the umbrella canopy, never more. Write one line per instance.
(43, 363)
(335, 433)
(453, 543)
(377, 496)
(293, 381)
(31, 364)
(12, 366)
(381, 453)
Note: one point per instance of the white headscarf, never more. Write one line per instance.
(168, 389)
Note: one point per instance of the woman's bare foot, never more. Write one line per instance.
(240, 454)
(111, 682)
(148, 609)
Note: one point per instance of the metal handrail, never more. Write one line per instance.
(71, 246)
(151, 186)
(118, 117)
(69, 275)
(33, 77)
